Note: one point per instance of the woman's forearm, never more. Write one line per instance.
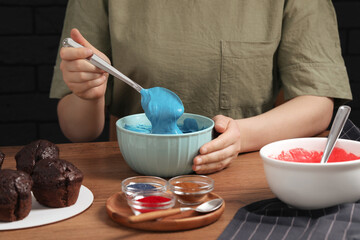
(299, 117)
(81, 120)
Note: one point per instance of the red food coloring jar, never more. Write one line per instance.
(149, 201)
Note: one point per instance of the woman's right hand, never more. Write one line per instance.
(83, 79)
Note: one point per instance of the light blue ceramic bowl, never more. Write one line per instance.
(163, 155)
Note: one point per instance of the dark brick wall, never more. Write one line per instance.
(347, 12)
(29, 36)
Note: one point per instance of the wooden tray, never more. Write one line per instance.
(119, 211)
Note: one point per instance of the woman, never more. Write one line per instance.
(225, 59)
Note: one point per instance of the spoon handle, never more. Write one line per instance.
(338, 124)
(154, 215)
(100, 63)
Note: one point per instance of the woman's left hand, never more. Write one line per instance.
(218, 154)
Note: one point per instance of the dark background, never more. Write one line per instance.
(29, 37)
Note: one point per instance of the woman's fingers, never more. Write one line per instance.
(89, 89)
(213, 167)
(218, 153)
(83, 78)
(216, 156)
(79, 66)
(215, 161)
(230, 136)
(70, 53)
(221, 142)
(78, 37)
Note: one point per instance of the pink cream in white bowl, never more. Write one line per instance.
(305, 184)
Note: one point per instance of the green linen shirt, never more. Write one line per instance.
(221, 57)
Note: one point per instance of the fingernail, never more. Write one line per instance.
(199, 161)
(221, 127)
(203, 150)
(197, 168)
(88, 51)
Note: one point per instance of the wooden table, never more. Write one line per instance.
(104, 168)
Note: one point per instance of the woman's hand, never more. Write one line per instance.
(299, 117)
(218, 154)
(83, 79)
(81, 113)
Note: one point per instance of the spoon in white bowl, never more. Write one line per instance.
(100, 63)
(336, 128)
(205, 207)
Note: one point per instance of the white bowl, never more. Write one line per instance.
(162, 155)
(312, 185)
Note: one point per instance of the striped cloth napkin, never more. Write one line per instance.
(350, 131)
(272, 219)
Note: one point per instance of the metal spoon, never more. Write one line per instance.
(100, 63)
(206, 207)
(336, 128)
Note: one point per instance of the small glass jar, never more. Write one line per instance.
(191, 189)
(142, 202)
(138, 184)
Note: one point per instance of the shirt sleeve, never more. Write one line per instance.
(309, 54)
(91, 18)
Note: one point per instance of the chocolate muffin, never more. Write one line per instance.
(2, 156)
(57, 182)
(33, 152)
(15, 195)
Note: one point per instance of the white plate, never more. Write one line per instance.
(41, 215)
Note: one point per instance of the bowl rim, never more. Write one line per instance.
(120, 128)
(145, 180)
(266, 158)
(203, 178)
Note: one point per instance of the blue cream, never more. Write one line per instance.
(141, 128)
(163, 108)
(189, 125)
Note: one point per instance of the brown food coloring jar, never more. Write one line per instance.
(191, 189)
